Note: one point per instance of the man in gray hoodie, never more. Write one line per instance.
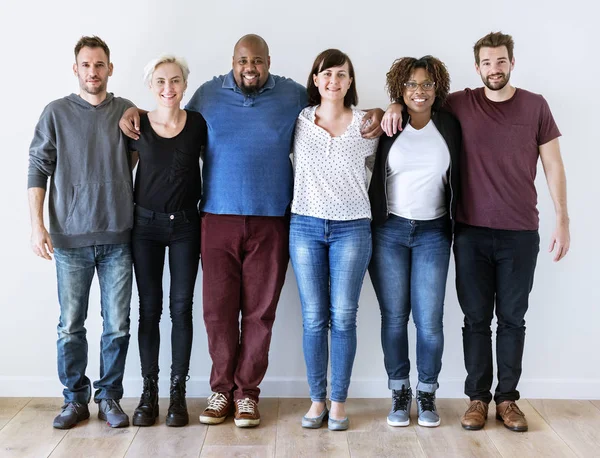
(78, 145)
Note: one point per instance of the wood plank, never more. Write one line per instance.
(401, 442)
(295, 441)
(162, 440)
(30, 432)
(9, 407)
(576, 422)
(370, 435)
(263, 436)
(540, 441)
(96, 439)
(242, 451)
(450, 439)
(596, 403)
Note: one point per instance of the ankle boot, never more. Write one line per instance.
(178, 414)
(147, 410)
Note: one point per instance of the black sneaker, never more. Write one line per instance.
(71, 414)
(110, 411)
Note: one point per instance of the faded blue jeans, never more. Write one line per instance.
(409, 270)
(330, 259)
(75, 269)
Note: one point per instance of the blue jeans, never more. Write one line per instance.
(330, 259)
(75, 269)
(409, 270)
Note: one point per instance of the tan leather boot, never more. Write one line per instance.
(475, 416)
(511, 415)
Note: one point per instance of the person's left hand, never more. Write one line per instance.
(370, 126)
(561, 240)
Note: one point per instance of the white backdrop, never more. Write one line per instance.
(554, 57)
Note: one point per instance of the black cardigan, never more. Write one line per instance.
(449, 128)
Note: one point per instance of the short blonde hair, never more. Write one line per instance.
(165, 59)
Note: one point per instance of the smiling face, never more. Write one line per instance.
(92, 69)
(168, 85)
(333, 82)
(494, 67)
(251, 64)
(419, 99)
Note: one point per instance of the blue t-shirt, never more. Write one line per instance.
(247, 170)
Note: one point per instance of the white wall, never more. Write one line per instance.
(554, 56)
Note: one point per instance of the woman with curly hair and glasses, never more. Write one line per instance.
(413, 197)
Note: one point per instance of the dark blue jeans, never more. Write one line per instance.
(330, 259)
(494, 266)
(152, 233)
(409, 269)
(75, 269)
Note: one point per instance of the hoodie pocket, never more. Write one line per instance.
(100, 207)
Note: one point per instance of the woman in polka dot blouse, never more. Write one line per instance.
(330, 233)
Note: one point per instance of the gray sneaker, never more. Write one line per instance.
(110, 411)
(401, 402)
(71, 414)
(428, 415)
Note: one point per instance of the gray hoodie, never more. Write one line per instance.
(81, 148)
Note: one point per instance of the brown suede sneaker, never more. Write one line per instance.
(475, 416)
(246, 413)
(219, 406)
(509, 413)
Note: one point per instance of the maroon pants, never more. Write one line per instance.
(244, 260)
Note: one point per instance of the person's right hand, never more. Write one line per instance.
(41, 243)
(392, 119)
(130, 123)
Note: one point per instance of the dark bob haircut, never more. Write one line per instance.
(327, 59)
(403, 68)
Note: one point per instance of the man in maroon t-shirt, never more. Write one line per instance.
(496, 240)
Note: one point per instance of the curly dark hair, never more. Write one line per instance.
(404, 67)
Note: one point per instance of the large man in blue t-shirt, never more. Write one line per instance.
(247, 189)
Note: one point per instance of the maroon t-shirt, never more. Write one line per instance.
(499, 158)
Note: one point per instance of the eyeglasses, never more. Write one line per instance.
(426, 86)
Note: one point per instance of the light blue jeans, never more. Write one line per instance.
(330, 259)
(75, 269)
(409, 270)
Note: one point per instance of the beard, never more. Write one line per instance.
(496, 85)
(249, 89)
(92, 90)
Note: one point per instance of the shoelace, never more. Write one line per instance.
(245, 406)
(400, 399)
(478, 405)
(114, 405)
(146, 392)
(216, 402)
(426, 401)
(74, 405)
(515, 407)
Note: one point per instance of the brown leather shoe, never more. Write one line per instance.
(475, 416)
(246, 413)
(219, 406)
(511, 415)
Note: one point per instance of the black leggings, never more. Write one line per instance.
(152, 233)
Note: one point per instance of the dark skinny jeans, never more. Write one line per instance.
(152, 233)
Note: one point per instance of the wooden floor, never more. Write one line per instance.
(556, 428)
